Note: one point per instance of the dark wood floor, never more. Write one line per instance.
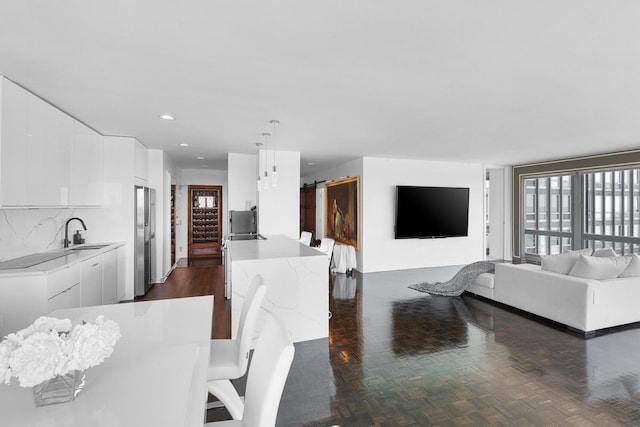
(202, 277)
(396, 357)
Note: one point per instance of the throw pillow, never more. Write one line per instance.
(599, 268)
(604, 252)
(562, 263)
(633, 269)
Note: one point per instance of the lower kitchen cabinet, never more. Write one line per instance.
(110, 277)
(91, 282)
(69, 298)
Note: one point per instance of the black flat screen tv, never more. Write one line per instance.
(431, 212)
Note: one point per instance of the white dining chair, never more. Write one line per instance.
(267, 376)
(229, 357)
(305, 238)
(326, 246)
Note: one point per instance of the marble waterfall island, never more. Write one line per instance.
(297, 279)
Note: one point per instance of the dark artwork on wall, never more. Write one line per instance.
(342, 211)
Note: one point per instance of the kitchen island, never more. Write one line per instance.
(297, 279)
(156, 375)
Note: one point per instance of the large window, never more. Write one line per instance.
(611, 216)
(582, 209)
(548, 228)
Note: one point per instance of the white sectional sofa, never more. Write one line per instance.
(583, 304)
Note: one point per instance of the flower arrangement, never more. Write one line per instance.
(51, 347)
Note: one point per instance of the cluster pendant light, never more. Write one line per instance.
(258, 145)
(274, 172)
(264, 180)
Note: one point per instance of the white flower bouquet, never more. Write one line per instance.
(51, 347)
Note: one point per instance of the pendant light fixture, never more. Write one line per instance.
(265, 179)
(258, 145)
(274, 173)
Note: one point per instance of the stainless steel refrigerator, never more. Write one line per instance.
(243, 222)
(144, 246)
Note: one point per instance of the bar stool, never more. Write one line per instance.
(229, 357)
(267, 376)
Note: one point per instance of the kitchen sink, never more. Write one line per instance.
(89, 247)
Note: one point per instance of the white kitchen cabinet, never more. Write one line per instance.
(63, 279)
(110, 277)
(88, 282)
(141, 162)
(54, 176)
(13, 144)
(47, 158)
(122, 274)
(69, 298)
(86, 167)
(91, 282)
(22, 300)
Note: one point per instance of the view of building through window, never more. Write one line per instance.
(548, 214)
(596, 209)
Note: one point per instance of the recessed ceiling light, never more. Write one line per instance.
(200, 158)
(184, 144)
(167, 117)
(310, 163)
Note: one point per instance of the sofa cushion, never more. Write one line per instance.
(485, 279)
(599, 268)
(604, 252)
(562, 263)
(633, 269)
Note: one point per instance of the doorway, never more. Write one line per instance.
(308, 210)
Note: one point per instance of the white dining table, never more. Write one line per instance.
(156, 375)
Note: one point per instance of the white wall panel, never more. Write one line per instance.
(381, 251)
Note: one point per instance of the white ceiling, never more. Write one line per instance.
(494, 81)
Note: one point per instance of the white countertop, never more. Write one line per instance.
(156, 375)
(275, 246)
(70, 257)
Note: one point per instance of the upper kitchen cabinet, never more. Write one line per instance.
(141, 163)
(13, 144)
(47, 158)
(86, 167)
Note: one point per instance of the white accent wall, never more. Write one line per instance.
(242, 179)
(279, 207)
(382, 251)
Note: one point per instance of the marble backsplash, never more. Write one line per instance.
(25, 231)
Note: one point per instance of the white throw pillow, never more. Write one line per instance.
(604, 252)
(633, 269)
(562, 263)
(599, 268)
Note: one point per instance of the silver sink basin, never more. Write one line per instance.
(89, 247)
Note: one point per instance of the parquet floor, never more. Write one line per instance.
(396, 357)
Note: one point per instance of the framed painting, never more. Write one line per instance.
(342, 211)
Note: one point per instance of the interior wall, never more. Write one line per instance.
(279, 206)
(242, 177)
(381, 252)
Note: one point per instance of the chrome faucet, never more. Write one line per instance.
(66, 230)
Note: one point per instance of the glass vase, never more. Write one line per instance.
(60, 389)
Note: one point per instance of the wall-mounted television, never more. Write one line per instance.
(431, 212)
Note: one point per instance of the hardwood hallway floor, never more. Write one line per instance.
(397, 357)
